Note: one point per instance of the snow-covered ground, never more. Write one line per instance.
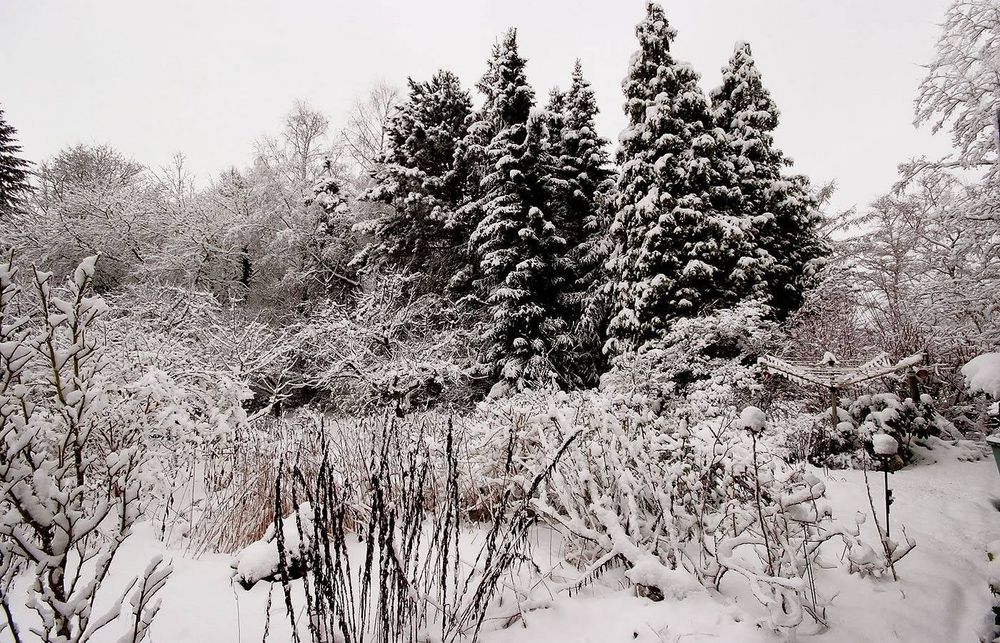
(949, 507)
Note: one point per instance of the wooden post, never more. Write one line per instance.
(914, 385)
(998, 135)
(834, 404)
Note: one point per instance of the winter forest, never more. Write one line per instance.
(467, 369)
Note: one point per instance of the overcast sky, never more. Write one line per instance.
(207, 77)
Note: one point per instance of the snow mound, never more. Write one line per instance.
(982, 374)
(259, 560)
(753, 419)
(884, 444)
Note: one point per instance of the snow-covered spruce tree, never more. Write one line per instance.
(782, 210)
(68, 499)
(13, 171)
(679, 249)
(472, 166)
(581, 179)
(419, 179)
(332, 245)
(516, 241)
(580, 159)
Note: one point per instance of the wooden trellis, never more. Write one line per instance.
(836, 376)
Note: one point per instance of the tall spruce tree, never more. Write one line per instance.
(679, 248)
(581, 179)
(782, 208)
(555, 116)
(580, 160)
(332, 244)
(421, 182)
(14, 184)
(516, 240)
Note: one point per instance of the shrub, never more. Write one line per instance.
(409, 579)
(684, 499)
(70, 494)
(391, 349)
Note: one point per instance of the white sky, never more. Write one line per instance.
(207, 77)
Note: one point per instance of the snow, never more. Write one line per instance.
(753, 419)
(982, 374)
(943, 593)
(909, 362)
(259, 560)
(885, 444)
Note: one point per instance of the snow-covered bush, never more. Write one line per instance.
(191, 360)
(69, 494)
(908, 422)
(905, 420)
(709, 363)
(849, 444)
(391, 348)
(982, 374)
(214, 350)
(683, 502)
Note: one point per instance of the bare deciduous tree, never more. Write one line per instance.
(297, 156)
(962, 87)
(364, 137)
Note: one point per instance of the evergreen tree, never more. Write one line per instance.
(333, 243)
(472, 165)
(581, 168)
(420, 180)
(516, 241)
(555, 115)
(679, 248)
(581, 179)
(13, 172)
(782, 208)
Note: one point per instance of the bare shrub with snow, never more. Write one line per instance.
(193, 362)
(416, 575)
(394, 347)
(70, 495)
(683, 505)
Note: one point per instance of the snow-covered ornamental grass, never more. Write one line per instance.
(420, 574)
